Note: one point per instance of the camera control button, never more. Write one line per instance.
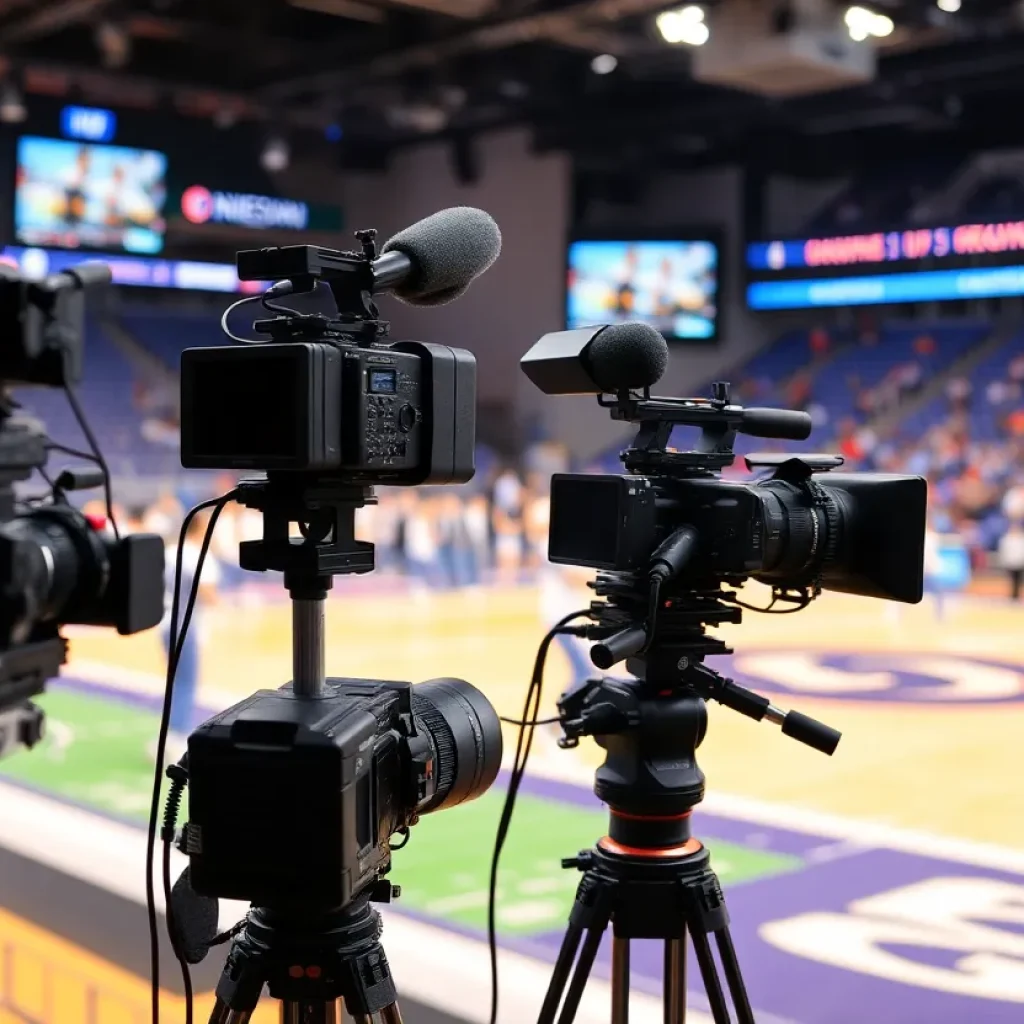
(406, 418)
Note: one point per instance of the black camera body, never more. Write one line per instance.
(329, 395)
(399, 414)
(292, 802)
(57, 566)
(856, 532)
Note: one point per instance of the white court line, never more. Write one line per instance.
(450, 972)
(547, 761)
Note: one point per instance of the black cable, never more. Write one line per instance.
(186, 976)
(175, 646)
(280, 288)
(523, 746)
(76, 453)
(521, 723)
(108, 498)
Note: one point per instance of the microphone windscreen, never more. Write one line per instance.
(448, 250)
(626, 356)
(194, 917)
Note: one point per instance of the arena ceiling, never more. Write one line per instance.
(393, 73)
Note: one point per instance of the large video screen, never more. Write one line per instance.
(79, 195)
(672, 285)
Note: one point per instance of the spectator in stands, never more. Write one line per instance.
(536, 520)
(478, 531)
(507, 520)
(164, 517)
(819, 342)
(798, 392)
(186, 678)
(958, 391)
(454, 548)
(1011, 557)
(420, 537)
(924, 345)
(1016, 370)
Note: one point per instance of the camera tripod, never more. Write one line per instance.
(649, 878)
(315, 962)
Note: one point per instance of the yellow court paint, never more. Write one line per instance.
(45, 979)
(946, 768)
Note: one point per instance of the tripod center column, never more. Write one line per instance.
(308, 671)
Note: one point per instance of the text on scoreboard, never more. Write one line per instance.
(913, 244)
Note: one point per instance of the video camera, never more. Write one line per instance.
(326, 408)
(329, 394)
(804, 529)
(58, 567)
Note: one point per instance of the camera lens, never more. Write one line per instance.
(466, 734)
(56, 566)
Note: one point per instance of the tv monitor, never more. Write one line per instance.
(670, 284)
(79, 195)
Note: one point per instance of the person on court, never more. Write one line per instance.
(186, 678)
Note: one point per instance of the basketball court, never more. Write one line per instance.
(883, 884)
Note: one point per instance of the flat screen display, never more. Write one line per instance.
(671, 285)
(79, 195)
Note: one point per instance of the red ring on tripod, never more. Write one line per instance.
(691, 846)
(625, 816)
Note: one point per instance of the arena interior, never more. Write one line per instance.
(820, 203)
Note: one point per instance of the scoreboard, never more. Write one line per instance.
(932, 264)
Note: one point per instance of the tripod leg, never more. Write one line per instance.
(388, 1015)
(620, 980)
(675, 980)
(223, 1014)
(734, 977)
(311, 1011)
(709, 974)
(560, 975)
(588, 954)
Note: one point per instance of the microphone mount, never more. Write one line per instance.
(351, 276)
(717, 417)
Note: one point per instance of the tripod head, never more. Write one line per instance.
(652, 724)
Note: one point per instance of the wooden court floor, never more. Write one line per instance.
(932, 712)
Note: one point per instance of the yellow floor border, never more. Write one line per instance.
(48, 980)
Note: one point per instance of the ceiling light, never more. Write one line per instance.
(12, 105)
(114, 44)
(276, 154)
(949, 6)
(861, 23)
(683, 25)
(604, 64)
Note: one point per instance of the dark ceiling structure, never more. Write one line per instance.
(392, 73)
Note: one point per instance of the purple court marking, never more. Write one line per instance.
(923, 677)
(786, 988)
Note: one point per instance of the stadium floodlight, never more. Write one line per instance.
(12, 105)
(862, 23)
(949, 6)
(604, 64)
(683, 25)
(276, 154)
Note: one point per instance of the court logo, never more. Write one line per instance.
(957, 935)
(896, 677)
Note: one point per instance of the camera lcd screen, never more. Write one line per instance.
(382, 382)
(251, 408)
(584, 520)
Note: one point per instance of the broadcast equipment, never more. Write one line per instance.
(57, 566)
(330, 394)
(671, 542)
(334, 766)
